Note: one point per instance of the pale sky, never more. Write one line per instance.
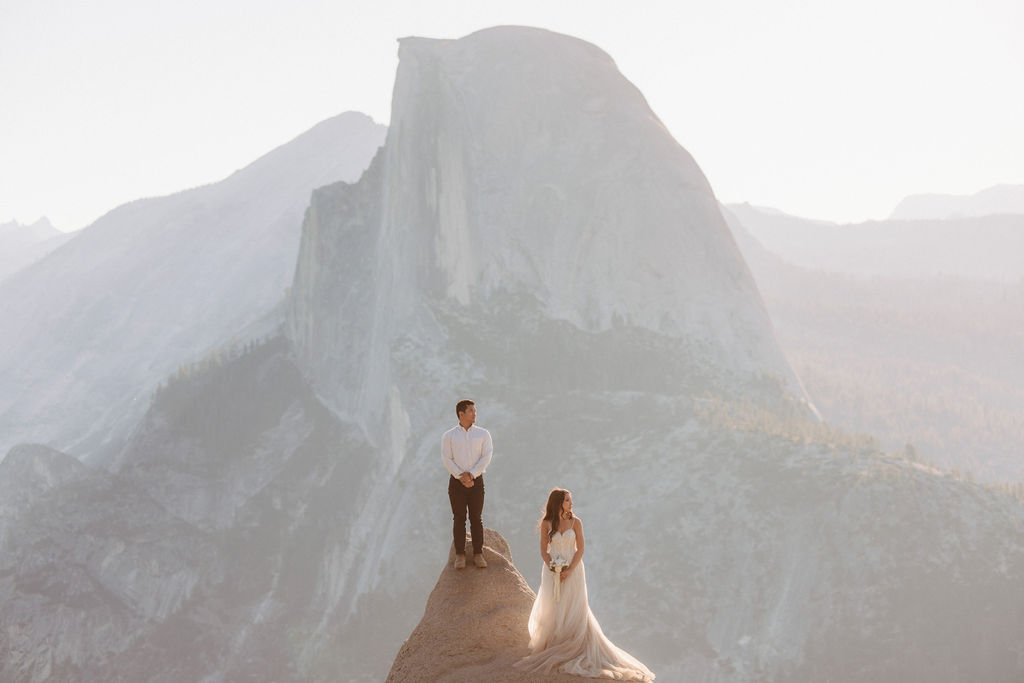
(831, 110)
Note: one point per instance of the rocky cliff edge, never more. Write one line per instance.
(474, 627)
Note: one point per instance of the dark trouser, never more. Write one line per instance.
(463, 498)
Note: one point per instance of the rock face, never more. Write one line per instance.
(474, 625)
(91, 330)
(191, 560)
(31, 471)
(523, 179)
(91, 569)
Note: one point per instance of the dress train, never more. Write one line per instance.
(565, 636)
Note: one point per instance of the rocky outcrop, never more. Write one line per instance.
(90, 567)
(474, 625)
(27, 474)
(224, 526)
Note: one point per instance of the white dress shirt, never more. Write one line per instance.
(466, 450)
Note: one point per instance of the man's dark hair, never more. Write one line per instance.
(461, 406)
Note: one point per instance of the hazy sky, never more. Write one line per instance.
(831, 110)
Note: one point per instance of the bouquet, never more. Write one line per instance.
(557, 564)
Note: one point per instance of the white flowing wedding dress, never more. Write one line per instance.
(565, 636)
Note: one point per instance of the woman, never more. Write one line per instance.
(564, 635)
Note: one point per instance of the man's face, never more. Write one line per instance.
(468, 416)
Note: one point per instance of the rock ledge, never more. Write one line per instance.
(474, 626)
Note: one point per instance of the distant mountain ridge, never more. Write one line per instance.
(25, 233)
(23, 244)
(996, 200)
(983, 248)
(156, 283)
(930, 362)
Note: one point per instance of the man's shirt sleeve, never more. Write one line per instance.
(447, 457)
(485, 456)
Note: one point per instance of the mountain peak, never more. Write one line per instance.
(520, 165)
(998, 199)
(188, 271)
(27, 233)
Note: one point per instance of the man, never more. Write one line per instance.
(466, 451)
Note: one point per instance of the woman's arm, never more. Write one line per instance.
(544, 529)
(578, 557)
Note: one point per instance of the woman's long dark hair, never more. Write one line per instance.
(553, 510)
